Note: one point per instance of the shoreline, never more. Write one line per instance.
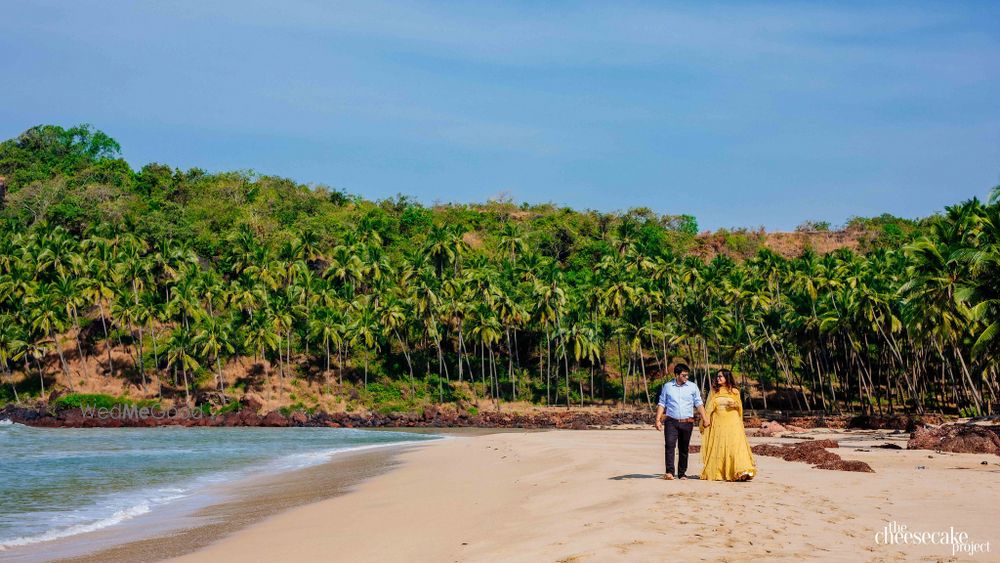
(253, 501)
(514, 494)
(219, 508)
(259, 498)
(596, 495)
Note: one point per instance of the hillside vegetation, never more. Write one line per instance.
(194, 286)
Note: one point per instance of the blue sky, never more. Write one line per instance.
(742, 114)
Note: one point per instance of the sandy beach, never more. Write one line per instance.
(597, 496)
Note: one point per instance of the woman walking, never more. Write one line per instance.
(725, 450)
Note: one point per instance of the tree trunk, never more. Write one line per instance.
(41, 375)
(645, 382)
(62, 358)
(10, 379)
(107, 341)
(187, 394)
(79, 346)
(221, 380)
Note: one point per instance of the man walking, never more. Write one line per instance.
(678, 400)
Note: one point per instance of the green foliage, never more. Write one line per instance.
(296, 407)
(439, 389)
(186, 272)
(384, 393)
(741, 242)
(98, 401)
(415, 219)
(49, 150)
(890, 231)
(969, 412)
(231, 406)
(686, 224)
(75, 400)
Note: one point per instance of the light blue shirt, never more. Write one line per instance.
(679, 401)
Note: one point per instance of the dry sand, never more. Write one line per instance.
(596, 496)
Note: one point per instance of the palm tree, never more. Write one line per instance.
(12, 348)
(179, 353)
(394, 321)
(261, 336)
(512, 242)
(99, 293)
(327, 327)
(68, 290)
(485, 330)
(364, 328)
(47, 319)
(213, 338)
(445, 247)
(930, 294)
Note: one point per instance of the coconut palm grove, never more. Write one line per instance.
(161, 284)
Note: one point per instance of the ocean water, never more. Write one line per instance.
(59, 483)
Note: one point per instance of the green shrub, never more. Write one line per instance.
(231, 406)
(99, 401)
(384, 393)
(296, 407)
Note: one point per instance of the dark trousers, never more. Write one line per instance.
(676, 434)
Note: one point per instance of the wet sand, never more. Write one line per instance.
(242, 504)
(253, 501)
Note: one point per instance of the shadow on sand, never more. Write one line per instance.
(635, 476)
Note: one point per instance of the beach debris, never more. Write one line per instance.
(957, 438)
(984, 463)
(888, 446)
(921, 467)
(898, 423)
(846, 465)
(814, 453)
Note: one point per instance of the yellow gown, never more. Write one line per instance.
(725, 450)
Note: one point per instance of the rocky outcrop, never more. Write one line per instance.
(248, 414)
(958, 438)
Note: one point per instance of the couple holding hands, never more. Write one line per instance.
(725, 450)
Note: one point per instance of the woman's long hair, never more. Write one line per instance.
(730, 380)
